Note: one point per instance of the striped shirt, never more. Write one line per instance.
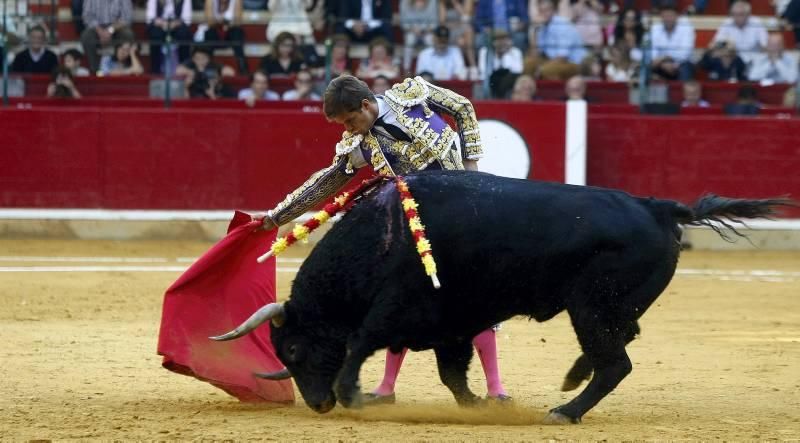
(106, 12)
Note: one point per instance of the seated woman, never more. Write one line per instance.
(340, 58)
(284, 60)
(123, 61)
(380, 61)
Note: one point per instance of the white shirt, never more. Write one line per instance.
(268, 95)
(366, 16)
(293, 95)
(783, 70)
(748, 40)
(677, 44)
(169, 11)
(511, 60)
(443, 66)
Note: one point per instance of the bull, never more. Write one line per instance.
(504, 247)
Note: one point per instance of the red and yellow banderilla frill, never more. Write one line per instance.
(344, 201)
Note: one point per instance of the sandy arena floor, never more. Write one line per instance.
(719, 358)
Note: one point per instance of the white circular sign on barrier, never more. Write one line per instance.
(505, 152)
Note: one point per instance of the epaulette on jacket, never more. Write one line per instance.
(411, 92)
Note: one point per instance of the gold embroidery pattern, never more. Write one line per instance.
(461, 109)
(409, 93)
(321, 185)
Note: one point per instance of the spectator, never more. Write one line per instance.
(510, 16)
(746, 102)
(380, 85)
(284, 59)
(693, 95)
(340, 58)
(123, 61)
(723, 63)
(587, 20)
(72, 61)
(575, 88)
(629, 29)
(36, 59)
(504, 56)
(107, 23)
(748, 34)
(290, 16)
(443, 61)
(457, 16)
(774, 66)
(202, 76)
(559, 48)
(524, 89)
(619, 67)
(62, 85)
(303, 88)
(364, 24)
(672, 45)
(379, 62)
(418, 20)
(258, 90)
(792, 17)
(591, 68)
(254, 5)
(168, 17)
(222, 29)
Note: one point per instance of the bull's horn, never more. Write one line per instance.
(272, 311)
(283, 374)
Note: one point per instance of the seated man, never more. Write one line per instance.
(258, 90)
(672, 45)
(559, 47)
(380, 133)
(774, 65)
(36, 59)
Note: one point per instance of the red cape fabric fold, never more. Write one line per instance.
(218, 292)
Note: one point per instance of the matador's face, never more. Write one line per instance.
(361, 120)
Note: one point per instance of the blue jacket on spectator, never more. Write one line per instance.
(484, 13)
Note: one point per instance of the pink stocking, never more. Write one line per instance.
(486, 346)
(390, 373)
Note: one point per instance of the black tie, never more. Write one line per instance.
(393, 130)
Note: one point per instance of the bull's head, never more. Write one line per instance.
(311, 357)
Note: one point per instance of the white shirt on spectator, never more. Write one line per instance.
(678, 44)
(246, 93)
(445, 65)
(782, 70)
(169, 11)
(293, 95)
(749, 40)
(511, 60)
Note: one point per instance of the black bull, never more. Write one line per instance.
(503, 247)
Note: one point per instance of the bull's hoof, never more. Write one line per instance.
(350, 398)
(557, 418)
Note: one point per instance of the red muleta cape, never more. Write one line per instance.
(218, 292)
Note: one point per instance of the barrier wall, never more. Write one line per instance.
(241, 158)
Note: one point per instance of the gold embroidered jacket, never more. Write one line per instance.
(417, 106)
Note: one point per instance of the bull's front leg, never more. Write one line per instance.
(453, 361)
(347, 386)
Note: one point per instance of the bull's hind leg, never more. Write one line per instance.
(604, 347)
(453, 362)
(582, 368)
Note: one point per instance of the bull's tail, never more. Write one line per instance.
(719, 213)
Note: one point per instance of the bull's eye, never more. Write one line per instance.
(292, 352)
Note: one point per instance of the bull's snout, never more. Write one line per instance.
(324, 406)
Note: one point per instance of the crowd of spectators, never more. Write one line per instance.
(510, 44)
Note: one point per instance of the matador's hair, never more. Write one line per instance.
(345, 94)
